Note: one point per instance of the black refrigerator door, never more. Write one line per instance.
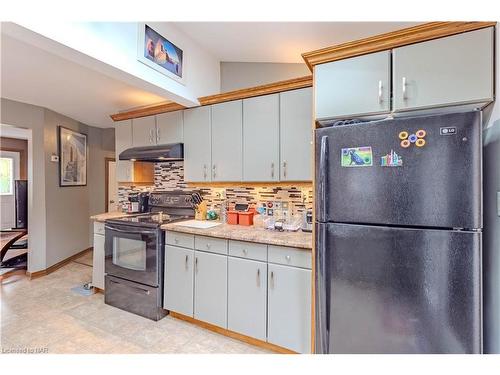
(434, 182)
(394, 290)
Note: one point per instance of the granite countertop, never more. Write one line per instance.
(251, 234)
(108, 215)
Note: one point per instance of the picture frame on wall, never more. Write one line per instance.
(72, 150)
(160, 53)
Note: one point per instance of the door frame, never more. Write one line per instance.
(107, 160)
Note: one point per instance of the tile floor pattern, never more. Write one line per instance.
(45, 313)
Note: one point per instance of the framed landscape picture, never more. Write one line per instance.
(72, 157)
(159, 53)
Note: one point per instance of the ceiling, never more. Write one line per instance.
(50, 81)
(280, 42)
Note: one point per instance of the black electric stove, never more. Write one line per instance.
(134, 254)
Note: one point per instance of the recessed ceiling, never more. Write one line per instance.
(35, 76)
(278, 42)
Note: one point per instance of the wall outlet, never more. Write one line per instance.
(54, 158)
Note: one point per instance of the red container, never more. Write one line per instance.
(232, 217)
(246, 218)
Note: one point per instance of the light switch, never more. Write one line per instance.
(498, 203)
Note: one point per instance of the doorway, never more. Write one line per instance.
(9, 173)
(111, 185)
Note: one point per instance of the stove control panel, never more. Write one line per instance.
(170, 199)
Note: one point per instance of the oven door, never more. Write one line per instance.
(133, 253)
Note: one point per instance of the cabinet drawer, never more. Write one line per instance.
(179, 239)
(98, 227)
(290, 256)
(242, 249)
(211, 244)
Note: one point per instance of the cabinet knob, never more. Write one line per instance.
(288, 258)
(380, 98)
(245, 252)
(176, 240)
(208, 246)
(272, 170)
(258, 276)
(187, 258)
(404, 89)
(284, 168)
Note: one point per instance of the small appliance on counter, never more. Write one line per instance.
(133, 203)
(307, 223)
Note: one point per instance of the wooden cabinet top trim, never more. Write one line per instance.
(271, 88)
(147, 111)
(393, 39)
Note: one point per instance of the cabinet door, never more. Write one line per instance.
(246, 297)
(179, 279)
(123, 140)
(261, 138)
(352, 87)
(169, 127)
(144, 131)
(210, 288)
(296, 135)
(227, 128)
(289, 308)
(452, 70)
(197, 147)
(98, 262)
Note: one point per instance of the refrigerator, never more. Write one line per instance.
(398, 221)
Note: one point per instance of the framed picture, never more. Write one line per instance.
(72, 157)
(159, 53)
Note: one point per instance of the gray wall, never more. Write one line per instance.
(491, 241)
(59, 219)
(239, 75)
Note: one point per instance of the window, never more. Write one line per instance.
(6, 176)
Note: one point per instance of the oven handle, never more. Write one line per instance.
(130, 230)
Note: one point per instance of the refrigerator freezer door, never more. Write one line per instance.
(365, 175)
(393, 290)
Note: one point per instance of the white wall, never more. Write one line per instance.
(239, 75)
(491, 239)
(111, 48)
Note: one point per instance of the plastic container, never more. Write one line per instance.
(246, 218)
(232, 217)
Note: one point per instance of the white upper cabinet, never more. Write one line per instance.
(227, 138)
(261, 138)
(169, 127)
(446, 71)
(296, 135)
(197, 144)
(144, 131)
(123, 140)
(353, 87)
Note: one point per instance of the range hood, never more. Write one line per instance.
(170, 152)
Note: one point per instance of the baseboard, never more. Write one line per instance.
(99, 290)
(36, 274)
(232, 334)
(12, 273)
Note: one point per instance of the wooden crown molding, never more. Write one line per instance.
(271, 88)
(410, 35)
(147, 111)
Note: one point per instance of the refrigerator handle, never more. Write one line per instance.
(322, 339)
(322, 200)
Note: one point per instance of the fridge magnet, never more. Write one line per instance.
(356, 157)
(412, 138)
(420, 142)
(391, 160)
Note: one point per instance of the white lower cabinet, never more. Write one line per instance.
(98, 261)
(179, 280)
(210, 288)
(289, 307)
(247, 297)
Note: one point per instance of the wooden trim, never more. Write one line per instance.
(106, 181)
(313, 248)
(232, 334)
(98, 290)
(12, 273)
(393, 39)
(271, 88)
(54, 267)
(147, 111)
(283, 184)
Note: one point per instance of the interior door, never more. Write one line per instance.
(365, 174)
(397, 290)
(9, 172)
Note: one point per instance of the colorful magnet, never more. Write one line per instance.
(421, 133)
(403, 135)
(412, 138)
(391, 160)
(405, 143)
(356, 157)
(420, 142)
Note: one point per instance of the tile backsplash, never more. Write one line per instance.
(170, 176)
